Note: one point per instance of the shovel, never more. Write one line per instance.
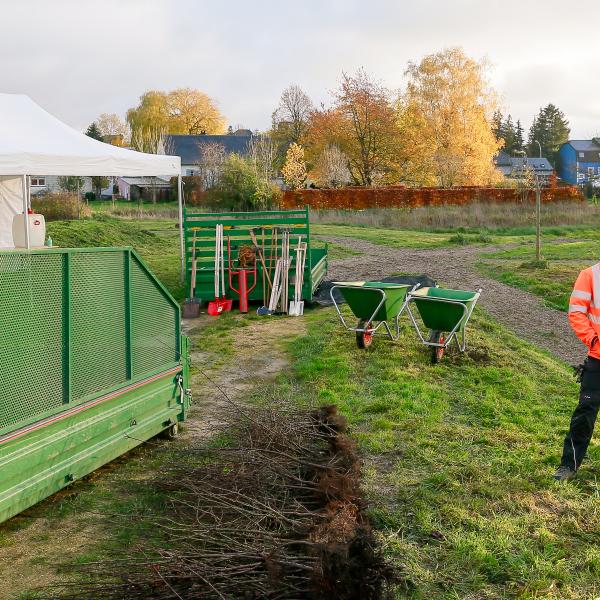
(191, 307)
(297, 304)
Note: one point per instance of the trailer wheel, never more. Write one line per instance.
(437, 352)
(364, 339)
(171, 432)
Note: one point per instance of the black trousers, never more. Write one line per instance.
(584, 418)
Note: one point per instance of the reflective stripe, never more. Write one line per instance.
(596, 285)
(579, 308)
(581, 294)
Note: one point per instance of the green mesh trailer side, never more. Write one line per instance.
(200, 234)
(90, 351)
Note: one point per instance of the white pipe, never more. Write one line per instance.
(181, 232)
(26, 210)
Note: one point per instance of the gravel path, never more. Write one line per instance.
(520, 311)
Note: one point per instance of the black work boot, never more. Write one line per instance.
(564, 473)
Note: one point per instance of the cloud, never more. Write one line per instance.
(79, 58)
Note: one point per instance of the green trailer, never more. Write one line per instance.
(93, 364)
(199, 229)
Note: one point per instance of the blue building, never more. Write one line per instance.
(579, 161)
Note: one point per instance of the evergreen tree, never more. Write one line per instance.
(551, 129)
(520, 140)
(497, 124)
(509, 135)
(94, 132)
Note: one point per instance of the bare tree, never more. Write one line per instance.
(332, 169)
(293, 113)
(262, 154)
(210, 164)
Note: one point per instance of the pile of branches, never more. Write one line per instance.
(275, 513)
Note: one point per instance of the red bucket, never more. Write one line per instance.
(218, 306)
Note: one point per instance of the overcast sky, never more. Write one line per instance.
(79, 58)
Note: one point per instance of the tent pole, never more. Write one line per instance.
(181, 232)
(26, 211)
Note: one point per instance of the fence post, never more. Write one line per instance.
(67, 383)
(128, 316)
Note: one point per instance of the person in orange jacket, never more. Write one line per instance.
(584, 317)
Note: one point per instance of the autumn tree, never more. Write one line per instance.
(294, 168)
(192, 112)
(446, 117)
(182, 111)
(113, 129)
(551, 129)
(331, 168)
(362, 124)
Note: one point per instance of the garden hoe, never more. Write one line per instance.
(263, 310)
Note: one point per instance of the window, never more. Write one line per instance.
(590, 171)
(582, 155)
(189, 172)
(38, 181)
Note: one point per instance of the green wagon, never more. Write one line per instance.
(373, 303)
(445, 313)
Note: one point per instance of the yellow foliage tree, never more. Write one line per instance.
(445, 117)
(181, 111)
(294, 168)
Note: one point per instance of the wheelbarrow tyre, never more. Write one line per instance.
(364, 339)
(437, 352)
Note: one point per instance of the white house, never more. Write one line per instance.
(41, 184)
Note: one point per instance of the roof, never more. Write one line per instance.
(189, 147)
(538, 164)
(585, 145)
(502, 159)
(147, 181)
(33, 141)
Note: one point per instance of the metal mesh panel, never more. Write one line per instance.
(31, 336)
(72, 326)
(154, 324)
(98, 325)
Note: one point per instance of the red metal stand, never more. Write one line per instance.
(242, 274)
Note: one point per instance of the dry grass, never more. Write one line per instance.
(61, 207)
(475, 216)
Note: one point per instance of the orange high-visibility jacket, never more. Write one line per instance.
(584, 308)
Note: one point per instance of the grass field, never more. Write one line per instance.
(566, 252)
(458, 456)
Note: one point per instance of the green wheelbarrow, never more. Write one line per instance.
(445, 313)
(373, 303)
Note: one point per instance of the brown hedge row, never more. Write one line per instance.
(402, 197)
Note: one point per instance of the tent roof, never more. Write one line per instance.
(33, 142)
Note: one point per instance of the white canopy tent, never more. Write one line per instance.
(33, 142)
